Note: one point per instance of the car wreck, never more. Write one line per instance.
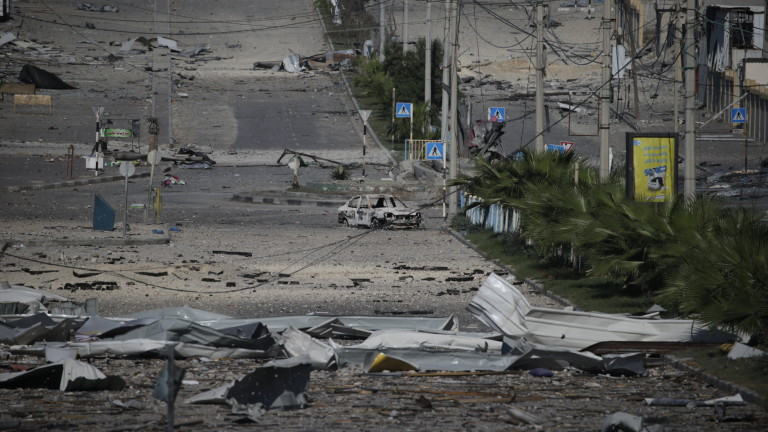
(378, 211)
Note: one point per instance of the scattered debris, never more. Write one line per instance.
(188, 158)
(93, 8)
(153, 274)
(42, 79)
(171, 180)
(293, 63)
(459, 278)
(68, 375)
(735, 400)
(223, 252)
(621, 421)
(525, 416)
(317, 159)
(740, 351)
(6, 37)
(37, 272)
(390, 346)
(502, 307)
(18, 300)
(85, 275)
(96, 285)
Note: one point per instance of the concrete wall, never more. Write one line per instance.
(757, 72)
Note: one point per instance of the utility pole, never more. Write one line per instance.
(382, 34)
(405, 26)
(634, 32)
(540, 63)
(428, 59)
(690, 131)
(678, 64)
(444, 97)
(444, 86)
(605, 94)
(454, 162)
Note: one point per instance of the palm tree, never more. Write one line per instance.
(723, 279)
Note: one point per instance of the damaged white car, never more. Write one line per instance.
(376, 211)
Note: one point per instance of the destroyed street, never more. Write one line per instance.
(240, 243)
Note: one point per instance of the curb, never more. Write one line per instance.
(93, 242)
(351, 96)
(531, 283)
(748, 395)
(283, 200)
(71, 183)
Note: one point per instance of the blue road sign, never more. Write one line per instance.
(434, 150)
(738, 115)
(404, 110)
(555, 148)
(499, 112)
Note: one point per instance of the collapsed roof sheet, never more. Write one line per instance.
(501, 306)
(67, 375)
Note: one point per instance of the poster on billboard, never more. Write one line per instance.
(651, 167)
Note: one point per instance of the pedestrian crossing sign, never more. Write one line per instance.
(434, 150)
(498, 112)
(404, 110)
(738, 115)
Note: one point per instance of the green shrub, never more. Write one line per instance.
(340, 173)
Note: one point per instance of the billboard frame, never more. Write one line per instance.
(633, 165)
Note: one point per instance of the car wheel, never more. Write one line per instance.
(345, 223)
(375, 224)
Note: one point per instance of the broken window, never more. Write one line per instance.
(741, 29)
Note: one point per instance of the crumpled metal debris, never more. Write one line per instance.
(740, 351)
(292, 63)
(502, 307)
(280, 384)
(36, 327)
(67, 375)
(18, 299)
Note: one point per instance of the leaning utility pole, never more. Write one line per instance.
(382, 34)
(605, 93)
(540, 63)
(690, 131)
(428, 59)
(454, 162)
(405, 26)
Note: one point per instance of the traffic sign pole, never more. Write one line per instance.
(364, 114)
(153, 157)
(126, 169)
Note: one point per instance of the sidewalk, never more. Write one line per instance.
(37, 172)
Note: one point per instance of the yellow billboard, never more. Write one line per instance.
(651, 167)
